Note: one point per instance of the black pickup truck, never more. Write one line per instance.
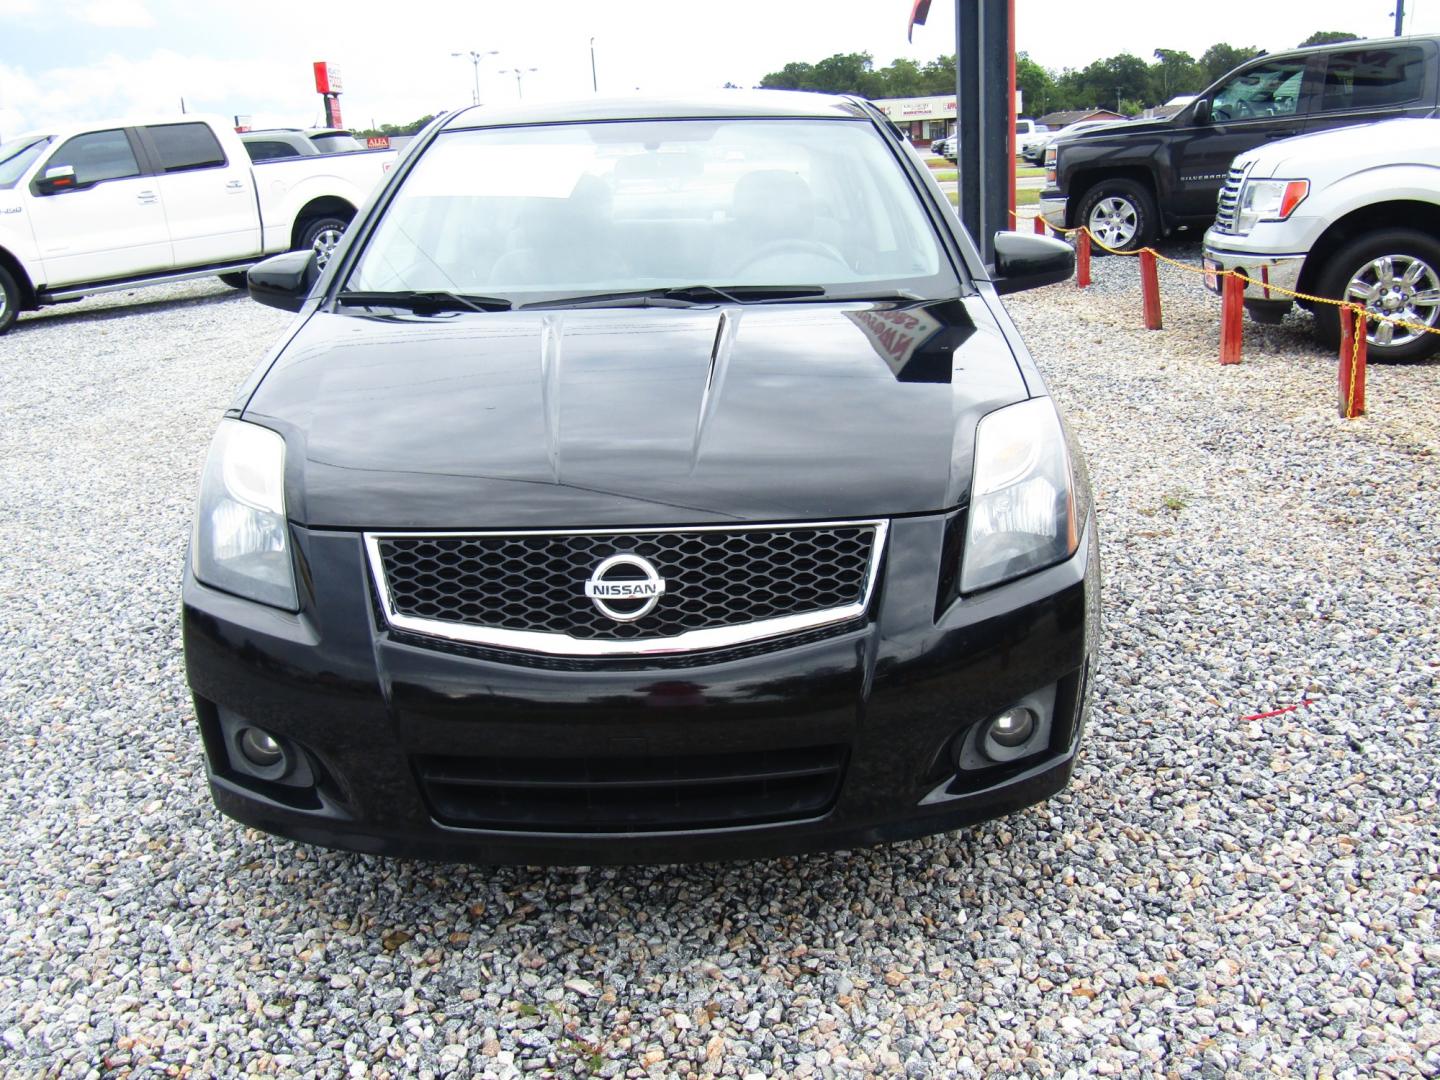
(1133, 182)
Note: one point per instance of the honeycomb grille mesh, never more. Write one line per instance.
(712, 579)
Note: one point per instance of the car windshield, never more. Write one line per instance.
(572, 209)
(17, 156)
(336, 143)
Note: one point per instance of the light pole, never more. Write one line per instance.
(475, 58)
(594, 82)
(519, 74)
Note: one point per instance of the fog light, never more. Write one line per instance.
(260, 748)
(1013, 726)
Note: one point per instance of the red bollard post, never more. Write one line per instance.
(1354, 331)
(1232, 320)
(1039, 225)
(1082, 260)
(1150, 289)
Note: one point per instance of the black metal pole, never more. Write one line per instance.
(982, 118)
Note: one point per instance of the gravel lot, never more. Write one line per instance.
(1213, 896)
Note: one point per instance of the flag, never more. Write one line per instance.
(917, 15)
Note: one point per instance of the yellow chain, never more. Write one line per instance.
(1360, 312)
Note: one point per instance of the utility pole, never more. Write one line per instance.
(1399, 18)
(519, 74)
(475, 58)
(594, 82)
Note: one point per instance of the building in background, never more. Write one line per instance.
(924, 119)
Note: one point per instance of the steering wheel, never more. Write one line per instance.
(794, 246)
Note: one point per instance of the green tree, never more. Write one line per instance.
(846, 73)
(397, 129)
(1174, 72)
(1328, 37)
(796, 75)
(902, 78)
(1112, 81)
(1036, 85)
(1221, 58)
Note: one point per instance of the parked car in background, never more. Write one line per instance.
(88, 208)
(1035, 148)
(647, 481)
(944, 147)
(1351, 214)
(1134, 183)
(267, 144)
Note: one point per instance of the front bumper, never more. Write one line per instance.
(887, 698)
(1267, 269)
(1052, 208)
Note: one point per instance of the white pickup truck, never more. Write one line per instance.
(91, 208)
(1350, 213)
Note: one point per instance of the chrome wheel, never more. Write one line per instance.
(1114, 221)
(324, 245)
(4, 304)
(1400, 285)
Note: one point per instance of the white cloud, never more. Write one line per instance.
(128, 14)
(10, 9)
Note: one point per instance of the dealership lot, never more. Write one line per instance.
(1213, 895)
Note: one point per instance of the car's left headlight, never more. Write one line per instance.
(1268, 200)
(241, 542)
(1022, 496)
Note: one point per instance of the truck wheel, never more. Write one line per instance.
(321, 236)
(9, 300)
(235, 280)
(1120, 213)
(1392, 272)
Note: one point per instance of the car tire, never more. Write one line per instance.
(1358, 268)
(9, 300)
(320, 235)
(237, 280)
(1121, 214)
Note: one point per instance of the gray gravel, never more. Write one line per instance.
(1212, 896)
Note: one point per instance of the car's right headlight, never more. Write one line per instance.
(1268, 200)
(1022, 496)
(240, 542)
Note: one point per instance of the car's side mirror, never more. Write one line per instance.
(283, 281)
(56, 178)
(1202, 111)
(1027, 261)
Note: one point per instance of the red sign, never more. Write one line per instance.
(377, 142)
(327, 78)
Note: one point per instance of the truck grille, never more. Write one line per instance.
(1229, 201)
(632, 794)
(722, 586)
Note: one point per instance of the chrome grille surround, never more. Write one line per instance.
(1228, 204)
(631, 639)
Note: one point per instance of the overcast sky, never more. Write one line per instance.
(91, 59)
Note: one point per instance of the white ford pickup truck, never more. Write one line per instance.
(1350, 213)
(97, 207)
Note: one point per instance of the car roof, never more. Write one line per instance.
(727, 104)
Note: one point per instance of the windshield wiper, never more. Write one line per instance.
(424, 303)
(684, 296)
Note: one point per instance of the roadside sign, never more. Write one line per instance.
(377, 142)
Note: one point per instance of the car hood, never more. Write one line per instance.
(1122, 129)
(1359, 148)
(646, 416)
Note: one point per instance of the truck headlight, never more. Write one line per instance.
(1022, 498)
(240, 542)
(1268, 200)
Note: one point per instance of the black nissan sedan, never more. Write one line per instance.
(644, 481)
